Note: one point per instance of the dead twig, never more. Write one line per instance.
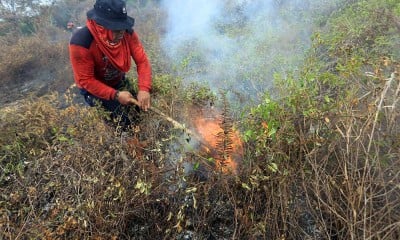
(379, 108)
(176, 124)
(169, 119)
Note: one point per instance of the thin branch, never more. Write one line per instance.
(378, 110)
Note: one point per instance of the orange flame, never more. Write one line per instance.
(209, 129)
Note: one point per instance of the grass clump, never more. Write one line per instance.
(66, 174)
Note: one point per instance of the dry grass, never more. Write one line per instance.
(28, 53)
(354, 178)
(351, 162)
(34, 64)
(66, 174)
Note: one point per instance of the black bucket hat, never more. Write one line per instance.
(111, 14)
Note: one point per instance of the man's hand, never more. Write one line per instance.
(124, 97)
(144, 100)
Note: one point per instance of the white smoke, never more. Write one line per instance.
(237, 45)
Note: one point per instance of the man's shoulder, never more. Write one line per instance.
(82, 37)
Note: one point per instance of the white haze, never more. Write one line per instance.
(237, 45)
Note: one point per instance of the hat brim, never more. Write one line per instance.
(126, 24)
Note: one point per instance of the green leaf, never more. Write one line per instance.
(245, 186)
(273, 167)
(62, 138)
(196, 166)
(248, 135)
(272, 132)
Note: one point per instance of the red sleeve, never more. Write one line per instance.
(142, 63)
(83, 67)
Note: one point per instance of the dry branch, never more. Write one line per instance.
(175, 123)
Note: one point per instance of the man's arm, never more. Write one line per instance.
(143, 68)
(83, 67)
(142, 62)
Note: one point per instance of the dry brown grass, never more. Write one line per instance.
(25, 54)
(355, 177)
(66, 174)
(338, 178)
(34, 64)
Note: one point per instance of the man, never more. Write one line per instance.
(101, 54)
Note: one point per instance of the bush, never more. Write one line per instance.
(333, 132)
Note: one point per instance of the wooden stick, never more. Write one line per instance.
(178, 125)
(169, 119)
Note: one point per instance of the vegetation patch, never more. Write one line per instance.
(320, 157)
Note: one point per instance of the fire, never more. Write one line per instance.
(210, 130)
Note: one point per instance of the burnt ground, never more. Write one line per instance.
(38, 83)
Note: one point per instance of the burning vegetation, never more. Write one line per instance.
(219, 138)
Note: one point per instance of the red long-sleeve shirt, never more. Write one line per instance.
(94, 72)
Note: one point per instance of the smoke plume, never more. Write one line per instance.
(237, 45)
